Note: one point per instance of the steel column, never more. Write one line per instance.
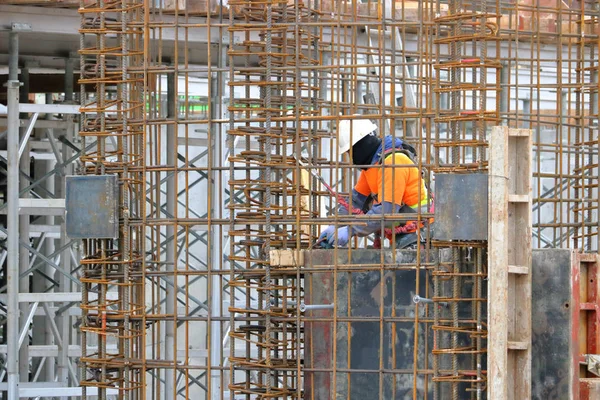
(65, 283)
(13, 60)
(42, 334)
(24, 218)
(13, 239)
(12, 222)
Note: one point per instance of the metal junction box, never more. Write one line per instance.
(92, 207)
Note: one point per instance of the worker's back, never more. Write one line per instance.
(394, 181)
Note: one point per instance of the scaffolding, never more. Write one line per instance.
(213, 116)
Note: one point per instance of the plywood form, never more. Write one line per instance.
(509, 264)
(498, 266)
(287, 258)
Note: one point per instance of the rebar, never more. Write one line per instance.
(271, 197)
(109, 265)
(198, 227)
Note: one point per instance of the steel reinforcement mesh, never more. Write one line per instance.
(215, 115)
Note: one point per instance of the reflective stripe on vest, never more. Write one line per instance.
(421, 204)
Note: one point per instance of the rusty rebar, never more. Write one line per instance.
(294, 69)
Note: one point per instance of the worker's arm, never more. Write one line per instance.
(342, 235)
(373, 226)
(360, 194)
(358, 201)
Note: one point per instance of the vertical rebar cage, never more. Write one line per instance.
(214, 115)
(112, 131)
(273, 121)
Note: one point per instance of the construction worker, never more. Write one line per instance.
(394, 188)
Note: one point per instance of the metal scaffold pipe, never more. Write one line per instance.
(13, 60)
(12, 275)
(12, 223)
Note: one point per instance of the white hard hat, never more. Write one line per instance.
(351, 131)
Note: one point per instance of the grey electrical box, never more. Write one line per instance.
(92, 207)
(461, 207)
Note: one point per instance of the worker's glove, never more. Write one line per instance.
(343, 235)
(329, 231)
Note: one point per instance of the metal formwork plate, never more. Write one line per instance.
(92, 207)
(368, 295)
(461, 207)
(358, 343)
(589, 388)
(552, 345)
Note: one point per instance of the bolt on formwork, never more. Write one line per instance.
(218, 115)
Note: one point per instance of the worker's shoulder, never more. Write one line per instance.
(397, 157)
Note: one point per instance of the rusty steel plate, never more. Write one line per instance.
(91, 207)
(461, 207)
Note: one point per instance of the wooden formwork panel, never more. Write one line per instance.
(509, 264)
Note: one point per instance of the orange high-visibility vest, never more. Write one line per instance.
(393, 182)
